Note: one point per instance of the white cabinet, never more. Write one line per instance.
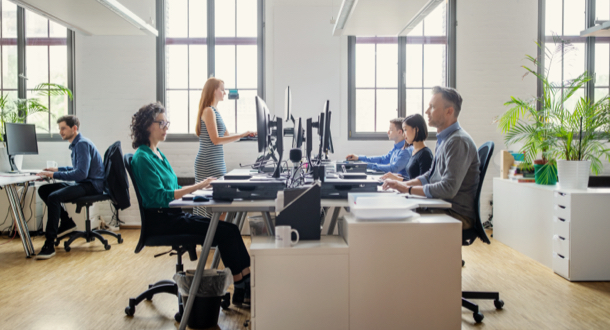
(304, 287)
(581, 226)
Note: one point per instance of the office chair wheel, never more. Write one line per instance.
(498, 303)
(178, 317)
(56, 242)
(478, 317)
(67, 247)
(226, 301)
(107, 246)
(463, 263)
(130, 310)
(120, 239)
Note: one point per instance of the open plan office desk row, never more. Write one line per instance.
(374, 275)
(9, 184)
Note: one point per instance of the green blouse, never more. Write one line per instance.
(155, 177)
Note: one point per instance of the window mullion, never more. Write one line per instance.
(161, 74)
(21, 81)
(590, 50)
(402, 88)
(211, 39)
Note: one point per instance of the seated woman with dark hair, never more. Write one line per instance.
(158, 185)
(415, 133)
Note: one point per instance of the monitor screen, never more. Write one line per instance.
(262, 123)
(21, 139)
(287, 104)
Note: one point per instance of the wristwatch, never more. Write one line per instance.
(410, 189)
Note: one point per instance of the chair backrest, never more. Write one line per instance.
(142, 242)
(116, 184)
(485, 152)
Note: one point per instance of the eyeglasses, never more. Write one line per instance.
(162, 124)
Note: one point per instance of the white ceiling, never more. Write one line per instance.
(380, 17)
(90, 17)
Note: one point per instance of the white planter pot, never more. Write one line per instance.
(573, 174)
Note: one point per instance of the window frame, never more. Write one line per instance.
(22, 88)
(450, 68)
(211, 43)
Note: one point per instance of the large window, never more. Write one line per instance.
(393, 76)
(204, 38)
(45, 57)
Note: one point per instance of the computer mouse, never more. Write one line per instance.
(198, 198)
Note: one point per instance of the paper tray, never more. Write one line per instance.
(365, 216)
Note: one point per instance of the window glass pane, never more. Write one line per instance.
(227, 112)
(427, 97)
(365, 65)
(387, 108)
(225, 65)
(387, 65)
(574, 17)
(37, 68)
(602, 10)
(57, 31)
(365, 110)
(41, 119)
(434, 65)
(198, 12)
(194, 98)
(247, 67)
(600, 92)
(176, 19)
(59, 107)
(553, 65)
(418, 30)
(9, 67)
(553, 17)
(570, 104)
(225, 18)
(573, 61)
(59, 65)
(36, 26)
(414, 102)
(246, 112)
(602, 59)
(177, 111)
(9, 19)
(246, 18)
(198, 66)
(176, 66)
(414, 65)
(435, 23)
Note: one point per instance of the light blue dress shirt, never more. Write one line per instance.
(395, 161)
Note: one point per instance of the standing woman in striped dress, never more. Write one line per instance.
(212, 132)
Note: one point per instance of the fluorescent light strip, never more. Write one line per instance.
(346, 9)
(427, 9)
(129, 16)
(50, 17)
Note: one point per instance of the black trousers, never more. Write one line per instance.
(228, 239)
(56, 193)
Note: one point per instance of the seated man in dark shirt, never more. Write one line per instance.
(87, 172)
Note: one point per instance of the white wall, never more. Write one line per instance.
(116, 75)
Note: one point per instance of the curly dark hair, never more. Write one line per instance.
(141, 121)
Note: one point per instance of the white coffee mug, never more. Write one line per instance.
(51, 164)
(283, 237)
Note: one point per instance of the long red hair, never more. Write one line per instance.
(207, 99)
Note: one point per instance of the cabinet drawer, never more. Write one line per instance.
(561, 227)
(252, 271)
(252, 303)
(561, 265)
(561, 246)
(561, 198)
(561, 212)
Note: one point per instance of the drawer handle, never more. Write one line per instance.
(561, 219)
(562, 238)
(561, 207)
(560, 256)
(560, 193)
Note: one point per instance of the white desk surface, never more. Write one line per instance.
(555, 187)
(6, 180)
(265, 245)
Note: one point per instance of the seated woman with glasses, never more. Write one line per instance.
(415, 132)
(158, 186)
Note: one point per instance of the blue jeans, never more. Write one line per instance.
(57, 193)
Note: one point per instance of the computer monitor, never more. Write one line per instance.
(309, 140)
(299, 139)
(287, 104)
(279, 146)
(262, 124)
(20, 140)
(327, 141)
(321, 132)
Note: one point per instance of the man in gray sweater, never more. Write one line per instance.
(454, 175)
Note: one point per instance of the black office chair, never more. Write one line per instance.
(87, 201)
(470, 235)
(179, 244)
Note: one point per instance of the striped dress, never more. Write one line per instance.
(210, 159)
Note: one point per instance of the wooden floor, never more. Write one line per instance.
(88, 288)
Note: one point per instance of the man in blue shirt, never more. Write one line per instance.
(396, 160)
(87, 174)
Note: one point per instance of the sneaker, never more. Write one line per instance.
(47, 251)
(238, 296)
(66, 227)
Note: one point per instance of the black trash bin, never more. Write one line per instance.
(212, 288)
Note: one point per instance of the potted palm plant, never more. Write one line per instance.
(18, 110)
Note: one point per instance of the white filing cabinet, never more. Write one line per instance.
(581, 225)
(304, 287)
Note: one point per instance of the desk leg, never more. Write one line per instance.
(19, 218)
(333, 221)
(205, 251)
(231, 218)
(268, 223)
(241, 220)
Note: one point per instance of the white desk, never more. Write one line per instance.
(9, 183)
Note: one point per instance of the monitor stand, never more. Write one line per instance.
(14, 168)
